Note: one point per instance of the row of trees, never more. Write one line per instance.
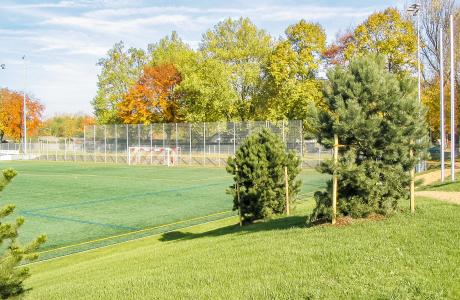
(239, 72)
(11, 119)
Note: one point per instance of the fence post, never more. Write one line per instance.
(218, 131)
(286, 182)
(128, 155)
(65, 149)
(56, 147)
(138, 157)
(84, 144)
(105, 143)
(94, 142)
(334, 179)
(47, 148)
(190, 146)
(284, 138)
(234, 138)
(116, 144)
(412, 182)
(151, 144)
(301, 144)
(74, 153)
(164, 146)
(204, 144)
(238, 195)
(177, 151)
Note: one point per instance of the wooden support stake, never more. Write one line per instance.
(286, 181)
(238, 196)
(412, 184)
(334, 180)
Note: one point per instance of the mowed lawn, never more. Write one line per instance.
(80, 204)
(402, 257)
(444, 187)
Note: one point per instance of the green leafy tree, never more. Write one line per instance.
(244, 49)
(206, 90)
(120, 70)
(291, 89)
(386, 33)
(258, 168)
(13, 254)
(378, 120)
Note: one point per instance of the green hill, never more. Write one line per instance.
(403, 257)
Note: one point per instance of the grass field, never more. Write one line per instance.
(402, 257)
(76, 204)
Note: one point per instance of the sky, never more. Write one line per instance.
(63, 40)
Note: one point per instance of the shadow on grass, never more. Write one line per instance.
(274, 224)
(438, 185)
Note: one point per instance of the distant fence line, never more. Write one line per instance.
(206, 144)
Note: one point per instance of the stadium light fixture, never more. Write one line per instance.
(2, 66)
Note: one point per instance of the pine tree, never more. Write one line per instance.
(378, 120)
(13, 254)
(258, 168)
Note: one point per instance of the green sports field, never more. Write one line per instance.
(83, 206)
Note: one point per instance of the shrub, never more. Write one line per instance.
(377, 118)
(258, 167)
(12, 253)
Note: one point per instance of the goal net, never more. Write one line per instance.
(162, 155)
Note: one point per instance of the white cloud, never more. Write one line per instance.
(64, 39)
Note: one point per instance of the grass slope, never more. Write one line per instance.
(403, 257)
(443, 187)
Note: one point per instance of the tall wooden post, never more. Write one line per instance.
(334, 180)
(286, 181)
(412, 183)
(238, 196)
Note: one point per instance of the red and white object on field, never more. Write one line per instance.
(138, 154)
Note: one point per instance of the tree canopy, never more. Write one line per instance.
(378, 120)
(11, 114)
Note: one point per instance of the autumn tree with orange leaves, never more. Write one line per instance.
(153, 98)
(11, 114)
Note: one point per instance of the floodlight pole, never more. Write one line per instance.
(24, 112)
(415, 10)
(452, 100)
(441, 82)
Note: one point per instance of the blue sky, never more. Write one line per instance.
(62, 40)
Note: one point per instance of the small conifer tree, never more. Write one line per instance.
(258, 168)
(12, 253)
(379, 121)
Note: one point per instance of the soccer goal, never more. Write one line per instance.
(163, 155)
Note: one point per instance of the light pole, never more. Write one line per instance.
(24, 111)
(441, 86)
(414, 9)
(452, 100)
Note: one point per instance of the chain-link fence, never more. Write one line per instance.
(205, 144)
